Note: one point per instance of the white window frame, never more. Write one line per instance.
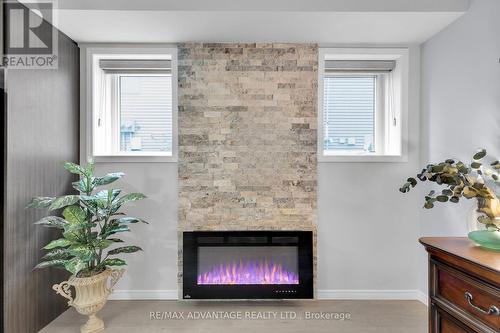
(399, 149)
(90, 54)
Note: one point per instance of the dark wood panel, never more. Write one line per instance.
(2, 177)
(42, 131)
(1, 29)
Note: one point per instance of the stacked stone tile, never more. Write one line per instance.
(247, 136)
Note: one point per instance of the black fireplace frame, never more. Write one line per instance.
(192, 240)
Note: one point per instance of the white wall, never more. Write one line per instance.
(460, 104)
(367, 230)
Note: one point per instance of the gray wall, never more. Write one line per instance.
(151, 273)
(367, 231)
(460, 106)
(42, 131)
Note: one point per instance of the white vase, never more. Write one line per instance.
(91, 294)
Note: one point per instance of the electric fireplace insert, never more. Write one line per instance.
(247, 265)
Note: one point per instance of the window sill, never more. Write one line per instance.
(362, 158)
(136, 159)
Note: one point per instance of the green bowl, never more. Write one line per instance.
(487, 239)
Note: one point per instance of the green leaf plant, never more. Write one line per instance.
(461, 180)
(89, 224)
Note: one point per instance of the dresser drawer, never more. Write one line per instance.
(448, 326)
(468, 294)
(442, 322)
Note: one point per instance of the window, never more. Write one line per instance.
(145, 113)
(349, 112)
(361, 114)
(133, 109)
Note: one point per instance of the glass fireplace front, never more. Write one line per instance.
(247, 264)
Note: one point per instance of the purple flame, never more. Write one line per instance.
(248, 272)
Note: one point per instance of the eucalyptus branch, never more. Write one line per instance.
(462, 180)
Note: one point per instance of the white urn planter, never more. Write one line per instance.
(91, 294)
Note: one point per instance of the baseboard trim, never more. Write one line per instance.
(423, 298)
(373, 295)
(322, 294)
(144, 295)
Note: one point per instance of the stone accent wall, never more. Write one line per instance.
(247, 136)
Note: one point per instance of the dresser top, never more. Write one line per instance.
(466, 249)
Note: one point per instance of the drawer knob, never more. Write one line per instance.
(493, 310)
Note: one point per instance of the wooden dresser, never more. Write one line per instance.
(464, 286)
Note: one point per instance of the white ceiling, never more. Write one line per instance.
(269, 5)
(322, 21)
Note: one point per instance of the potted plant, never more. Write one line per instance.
(476, 180)
(89, 244)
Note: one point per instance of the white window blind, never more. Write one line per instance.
(145, 110)
(359, 65)
(349, 106)
(135, 65)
